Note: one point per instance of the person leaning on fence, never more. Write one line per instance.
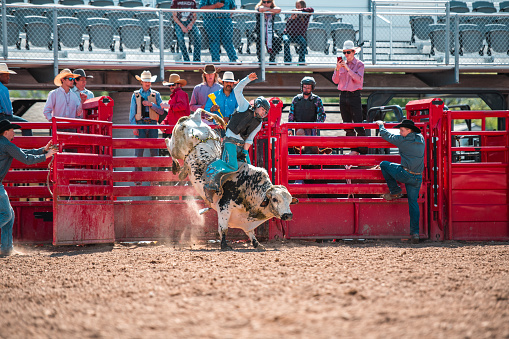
(6, 111)
(79, 85)
(178, 105)
(225, 102)
(295, 31)
(201, 91)
(8, 152)
(307, 106)
(145, 110)
(185, 23)
(242, 128)
(349, 76)
(62, 102)
(219, 28)
(272, 41)
(410, 143)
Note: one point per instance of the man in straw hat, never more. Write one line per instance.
(80, 83)
(242, 128)
(410, 143)
(145, 110)
(349, 76)
(209, 85)
(62, 102)
(8, 152)
(6, 111)
(224, 102)
(178, 105)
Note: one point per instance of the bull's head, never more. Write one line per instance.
(278, 200)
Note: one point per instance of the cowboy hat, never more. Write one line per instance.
(4, 69)
(63, 73)
(348, 45)
(6, 125)
(228, 76)
(409, 124)
(146, 76)
(175, 79)
(81, 73)
(210, 69)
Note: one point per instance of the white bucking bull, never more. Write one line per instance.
(247, 198)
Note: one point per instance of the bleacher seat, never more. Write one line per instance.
(169, 38)
(100, 34)
(38, 32)
(502, 20)
(471, 39)
(144, 18)
(317, 40)
(503, 6)
(163, 4)
(327, 21)
(10, 2)
(115, 16)
(40, 2)
(420, 27)
(458, 7)
(101, 3)
(13, 38)
(84, 14)
(70, 33)
(22, 12)
(71, 2)
(483, 7)
(437, 36)
(340, 33)
(131, 34)
(497, 38)
(131, 3)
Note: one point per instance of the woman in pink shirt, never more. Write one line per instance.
(349, 76)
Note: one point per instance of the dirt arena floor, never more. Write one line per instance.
(294, 289)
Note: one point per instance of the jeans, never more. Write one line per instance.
(6, 221)
(146, 133)
(303, 45)
(15, 119)
(394, 172)
(195, 34)
(220, 31)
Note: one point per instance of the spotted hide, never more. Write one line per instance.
(247, 199)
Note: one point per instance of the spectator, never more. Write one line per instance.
(8, 152)
(410, 143)
(349, 76)
(225, 101)
(62, 102)
(6, 111)
(145, 110)
(272, 41)
(219, 28)
(307, 107)
(178, 105)
(240, 133)
(209, 85)
(185, 23)
(295, 31)
(80, 82)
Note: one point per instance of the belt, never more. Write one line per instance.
(409, 171)
(350, 92)
(234, 141)
(145, 120)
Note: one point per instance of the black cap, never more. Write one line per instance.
(6, 125)
(81, 73)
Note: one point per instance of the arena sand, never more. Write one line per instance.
(375, 289)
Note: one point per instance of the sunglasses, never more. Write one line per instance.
(267, 2)
(172, 85)
(71, 79)
(347, 52)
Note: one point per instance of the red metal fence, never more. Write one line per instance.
(464, 194)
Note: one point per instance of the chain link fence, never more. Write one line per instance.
(126, 34)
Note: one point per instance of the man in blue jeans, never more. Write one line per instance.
(410, 143)
(219, 28)
(9, 151)
(6, 111)
(295, 31)
(185, 23)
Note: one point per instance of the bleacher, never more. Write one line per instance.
(131, 32)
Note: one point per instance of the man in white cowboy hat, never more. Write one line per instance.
(242, 128)
(178, 105)
(8, 152)
(62, 102)
(209, 85)
(80, 83)
(349, 76)
(145, 110)
(6, 111)
(410, 143)
(225, 102)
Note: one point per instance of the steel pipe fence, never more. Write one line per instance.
(390, 34)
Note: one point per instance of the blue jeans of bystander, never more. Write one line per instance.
(394, 172)
(146, 133)
(303, 45)
(6, 222)
(195, 34)
(220, 31)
